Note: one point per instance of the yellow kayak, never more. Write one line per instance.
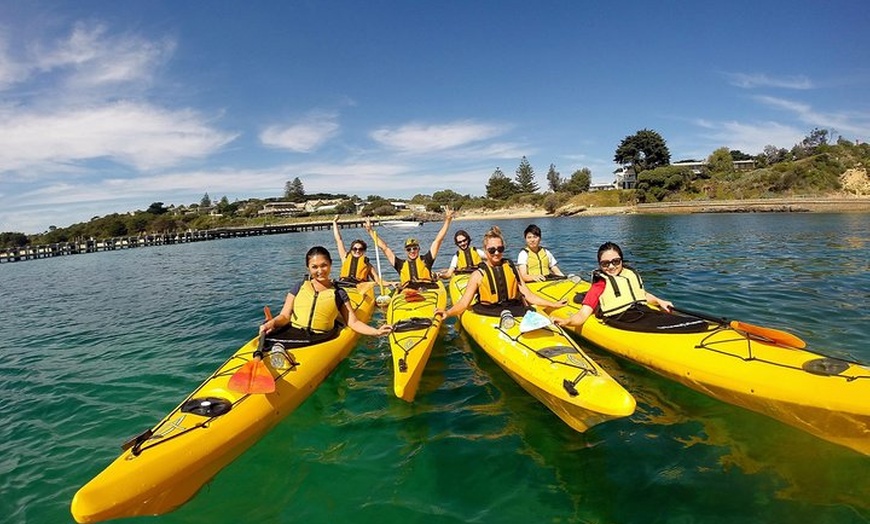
(415, 327)
(550, 366)
(827, 397)
(165, 466)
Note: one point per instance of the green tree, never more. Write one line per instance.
(500, 187)
(525, 177)
(156, 208)
(579, 182)
(643, 150)
(206, 201)
(554, 179)
(720, 161)
(446, 196)
(13, 239)
(294, 191)
(346, 207)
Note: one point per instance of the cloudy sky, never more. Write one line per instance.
(108, 106)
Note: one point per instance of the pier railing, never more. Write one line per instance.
(34, 252)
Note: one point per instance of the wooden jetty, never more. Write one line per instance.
(34, 252)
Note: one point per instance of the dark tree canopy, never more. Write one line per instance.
(500, 187)
(294, 191)
(643, 150)
(554, 179)
(579, 182)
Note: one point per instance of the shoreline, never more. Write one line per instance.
(766, 205)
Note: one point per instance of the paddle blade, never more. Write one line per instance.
(252, 378)
(383, 300)
(534, 320)
(775, 335)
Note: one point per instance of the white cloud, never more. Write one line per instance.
(752, 81)
(852, 123)
(304, 136)
(751, 138)
(419, 138)
(131, 133)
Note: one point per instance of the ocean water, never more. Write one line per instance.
(97, 348)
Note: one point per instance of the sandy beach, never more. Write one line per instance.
(768, 205)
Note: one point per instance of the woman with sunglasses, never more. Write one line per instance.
(535, 262)
(497, 285)
(617, 290)
(416, 271)
(467, 257)
(356, 266)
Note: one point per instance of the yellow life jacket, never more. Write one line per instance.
(467, 258)
(621, 291)
(500, 284)
(355, 269)
(415, 271)
(538, 263)
(313, 310)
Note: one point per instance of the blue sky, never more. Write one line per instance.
(108, 106)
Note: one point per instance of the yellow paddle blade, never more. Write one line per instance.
(254, 377)
(775, 335)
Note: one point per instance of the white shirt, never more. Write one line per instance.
(454, 262)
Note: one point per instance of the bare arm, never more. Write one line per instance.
(577, 319)
(439, 238)
(283, 317)
(467, 296)
(391, 257)
(534, 299)
(342, 252)
(361, 327)
(666, 305)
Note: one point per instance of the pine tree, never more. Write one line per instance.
(525, 177)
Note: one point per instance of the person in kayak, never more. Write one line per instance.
(313, 307)
(356, 266)
(618, 296)
(535, 262)
(415, 272)
(497, 285)
(467, 257)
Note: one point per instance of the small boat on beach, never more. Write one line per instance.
(402, 223)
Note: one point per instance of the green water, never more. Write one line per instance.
(96, 348)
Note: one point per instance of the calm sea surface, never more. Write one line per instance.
(97, 348)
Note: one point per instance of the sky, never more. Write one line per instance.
(109, 106)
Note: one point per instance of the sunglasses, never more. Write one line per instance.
(612, 262)
(461, 241)
(357, 249)
(494, 250)
(412, 249)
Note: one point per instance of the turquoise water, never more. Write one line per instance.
(96, 348)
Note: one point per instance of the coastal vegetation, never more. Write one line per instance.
(813, 167)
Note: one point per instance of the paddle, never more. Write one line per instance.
(254, 377)
(383, 299)
(774, 335)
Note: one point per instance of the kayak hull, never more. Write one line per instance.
(172, 461)
(550, 366)
(415, 329)
(828, 398)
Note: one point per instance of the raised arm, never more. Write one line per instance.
(442, 233)
(391, 257)
(342, 252)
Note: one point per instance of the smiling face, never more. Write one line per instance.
(357, 250)
(610, 261)
(319, 268)
(412, 251)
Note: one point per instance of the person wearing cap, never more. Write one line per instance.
(467, 257)
(416, 270)
(535, 262)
